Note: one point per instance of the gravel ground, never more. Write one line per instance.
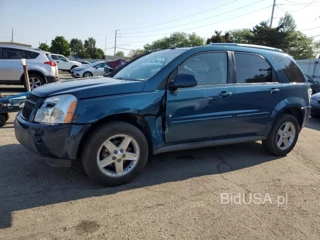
(181, 195)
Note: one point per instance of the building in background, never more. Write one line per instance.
(16, 44)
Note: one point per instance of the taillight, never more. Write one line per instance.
(52, 64)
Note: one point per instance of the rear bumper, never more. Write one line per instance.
(51, 79)
(59, 143)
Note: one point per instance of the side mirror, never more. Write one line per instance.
(183, 81)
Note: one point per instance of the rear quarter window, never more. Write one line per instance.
(290, 69)
(30, 54)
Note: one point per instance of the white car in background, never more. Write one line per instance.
(64, 63)
(94, 69)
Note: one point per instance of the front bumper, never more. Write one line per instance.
(76, 74)
(59, 143)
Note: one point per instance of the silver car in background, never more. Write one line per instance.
(94, 69)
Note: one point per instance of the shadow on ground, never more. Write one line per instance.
(28, 182)
(313, 123)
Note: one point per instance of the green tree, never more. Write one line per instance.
(76, 46)
(90, 47)
(60, 45)
(98, 54)
(44, 47)
(120, 54)
(136, 53)
(241, 35)
(218, 37)
(177, 39)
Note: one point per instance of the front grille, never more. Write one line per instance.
(31, 104)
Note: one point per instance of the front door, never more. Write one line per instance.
(98, 70)
(206, 111)
(63, 63)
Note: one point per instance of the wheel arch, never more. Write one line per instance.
(22, 78)
(131, 118)
(295, 111)
(87, 72)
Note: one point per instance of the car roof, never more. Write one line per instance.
(22, 48)
(234, 47)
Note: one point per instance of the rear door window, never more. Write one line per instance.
(252, 68)
(30, 54)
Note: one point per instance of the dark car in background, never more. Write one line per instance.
(315, 105)
(168, 100)
(315, 85)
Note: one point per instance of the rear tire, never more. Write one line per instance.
(280, 140)
(35, 81)
(3, 119)
(115, 153)
(72, 68)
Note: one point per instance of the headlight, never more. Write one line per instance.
(57, 109)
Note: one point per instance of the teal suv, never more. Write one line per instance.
(168, 100)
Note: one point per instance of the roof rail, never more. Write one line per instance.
(249, 46)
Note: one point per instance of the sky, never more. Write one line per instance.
(143, 21)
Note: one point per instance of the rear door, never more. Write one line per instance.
(257, 93)
(10, 64)
(205, 111)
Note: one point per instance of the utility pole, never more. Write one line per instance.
(115, 42)
(274, 5)
(105, 46)
(12, 35)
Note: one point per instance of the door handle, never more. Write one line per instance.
(274, 90)
(225, 94)
(57, 61)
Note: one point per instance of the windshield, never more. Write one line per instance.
(147, 66)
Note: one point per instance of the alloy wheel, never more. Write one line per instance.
(34, 82)
(286, 135)
(118, 155)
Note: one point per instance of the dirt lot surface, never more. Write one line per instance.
(181, 195)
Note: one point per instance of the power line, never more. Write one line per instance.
(297, 3)
(309, 29)
(202, 25)
(136, 43)
(180, 18)
(156, 30)
(300, 8)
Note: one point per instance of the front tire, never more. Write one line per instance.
(283, 136)
(115, 153)
(87, 74)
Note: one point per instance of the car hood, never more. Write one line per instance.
(89, 88)
(77, 63)
(316, 96)
(81, 68)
